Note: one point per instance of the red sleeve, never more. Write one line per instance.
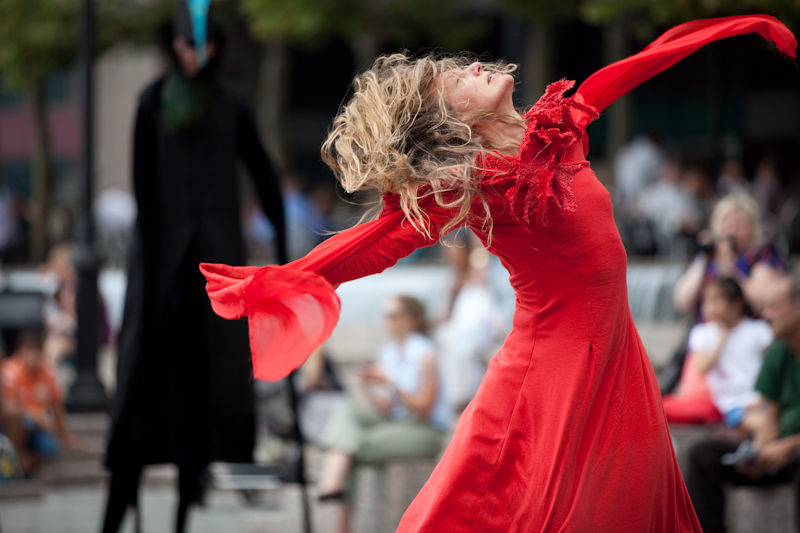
(293, 308)
(603, 87)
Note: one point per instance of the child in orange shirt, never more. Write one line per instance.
(31, 391)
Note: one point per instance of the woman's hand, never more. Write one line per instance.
(687, 289)
(775, 454)
(374, 374)
(380, 399)
(725, 254)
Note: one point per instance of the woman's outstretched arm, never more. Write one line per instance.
(292, 309)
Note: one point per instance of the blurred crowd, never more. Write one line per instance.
(37, 363)
(738, 367)
(665, 204)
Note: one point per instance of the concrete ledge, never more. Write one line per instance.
(685, 436)
(23, 489)
(385, 492)
(748, 509)
(760, 509)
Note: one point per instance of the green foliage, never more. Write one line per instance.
(648, 16)
(36, 36)
(541, 11)
(39, 36)
(312, 23)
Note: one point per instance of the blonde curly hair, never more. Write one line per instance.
(397, 133)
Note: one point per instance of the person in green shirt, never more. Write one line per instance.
(772, 455)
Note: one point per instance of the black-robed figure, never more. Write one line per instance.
(184, 378)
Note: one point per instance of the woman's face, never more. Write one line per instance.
(399, 322)
(737, 226)
(476, 91)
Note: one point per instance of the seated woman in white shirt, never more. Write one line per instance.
(410, 411)
(726, 351)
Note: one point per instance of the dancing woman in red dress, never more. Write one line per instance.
(567, 432)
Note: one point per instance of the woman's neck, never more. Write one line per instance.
(506, 137)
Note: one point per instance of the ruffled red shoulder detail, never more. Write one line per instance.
(391, 203)
(538, 174)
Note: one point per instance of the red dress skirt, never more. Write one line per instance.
(567, 431)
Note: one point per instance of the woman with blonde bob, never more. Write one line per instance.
(738, 252)
(566, 432)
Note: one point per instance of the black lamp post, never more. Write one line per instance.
(87, 393)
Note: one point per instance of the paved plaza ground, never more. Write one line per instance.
(79, 510)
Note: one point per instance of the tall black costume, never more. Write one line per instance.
(184, 393)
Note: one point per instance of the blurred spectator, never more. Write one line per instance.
(184, 381)
(60, 313)
(8, 221)
(323, 198)
(13, 437)
(731, 179)
(770, 457)
(404, 389)
(307, 219)
(698, 186)
(115, 216)
(767, 187)
(302, 217)
(636, 167)
(671, 210)
(735, 249)
(30, 389)
(723, 362)
(321, 394)
(467, 334)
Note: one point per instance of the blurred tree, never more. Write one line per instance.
(647, 17)
(42, 36)
(366, 25)
(539, 18)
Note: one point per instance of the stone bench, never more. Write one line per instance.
(760, 509)
(748, 509)
(384, 492)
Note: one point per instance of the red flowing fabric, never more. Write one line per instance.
(567, 431)
(603, 87)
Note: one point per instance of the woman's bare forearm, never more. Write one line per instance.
(687, 289)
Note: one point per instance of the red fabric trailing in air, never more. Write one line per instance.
(292, 309)
(603, 87)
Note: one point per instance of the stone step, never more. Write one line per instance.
(684, 436)
(91, 447)
(88, 423)
(748, 509)
(761, 509)
(72, 472)
(384, 492)
(24, 489)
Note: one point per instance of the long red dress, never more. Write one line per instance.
(567, 432)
